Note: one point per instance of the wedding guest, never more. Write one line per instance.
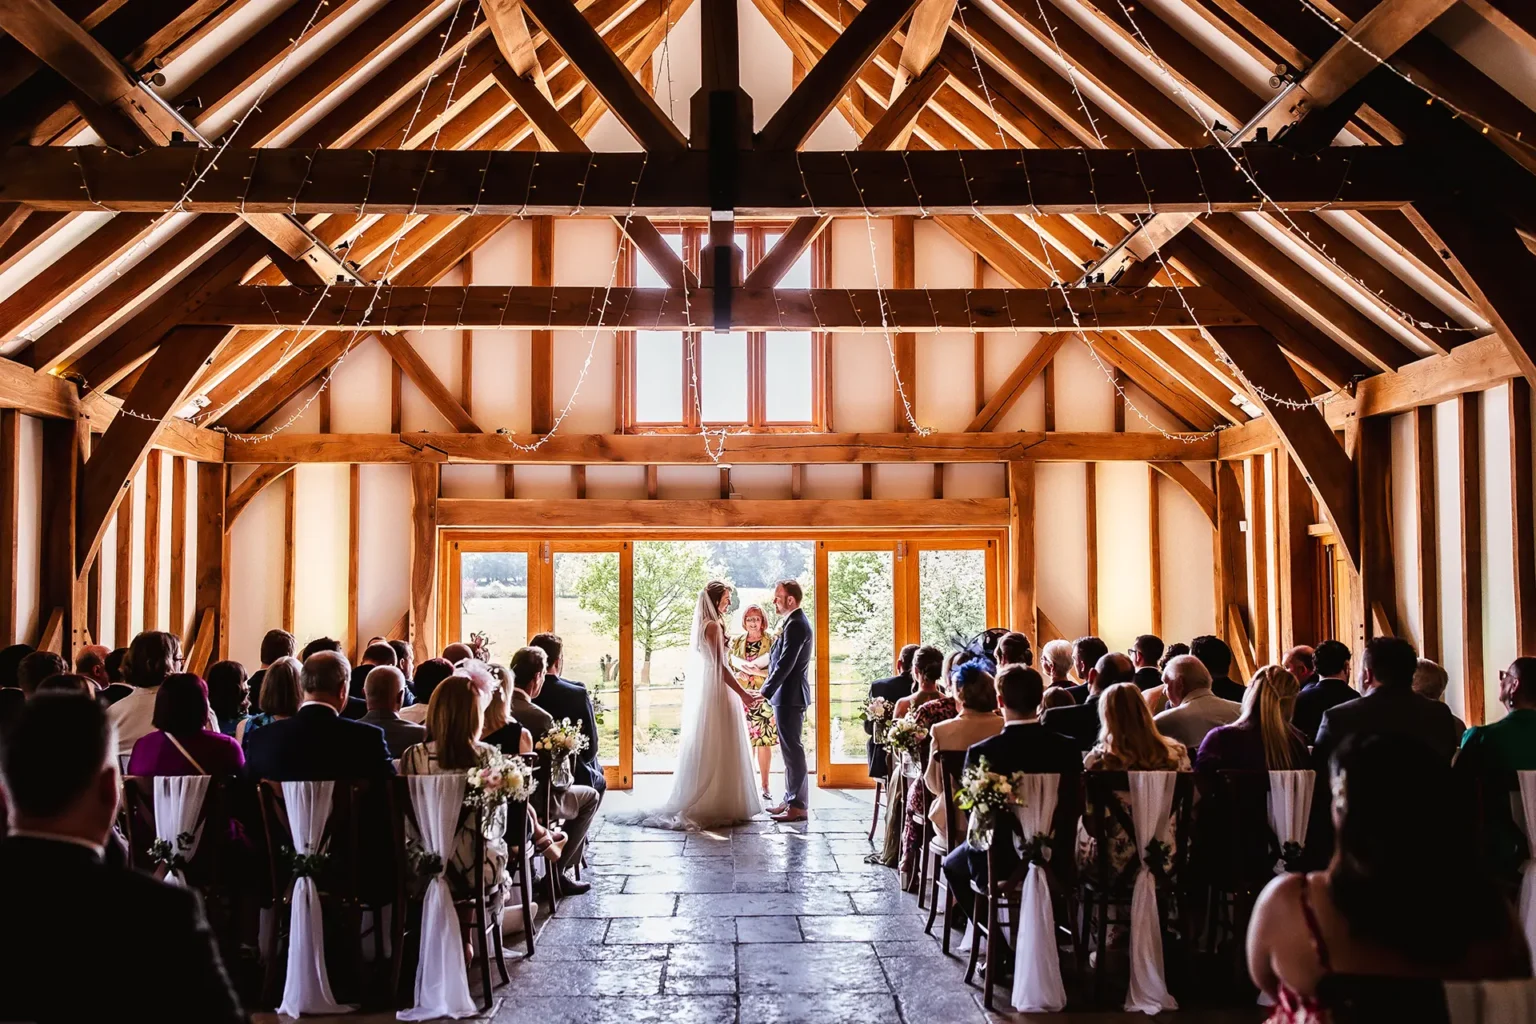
(891, 689)
(1086, 652)
(978, 720)
(280, 698)
(500, 729)
(278, 643)
(1145, 652)
(428, 675)
(385, 689)
(456, 652)
(528, 667)
(1389, 706)
(1301, 662)
(1013, 649)
(229, 694)
(1216, 656)
(1430, 680)
(1403, 896)
(748, 652)
(317, 743)
(1193, 709)
(61, 786)
(152, 657)
(1329, 687)
(319, 645)
(927, 707)
(405, 661)
(567, 698)
(1023, 745)
(1056, 665)
(1055, 697)
(1081, 722)
(1262, 738)
(36, 667)
(1128, 742)
(927, 671)
(1157, 697)
(182, 743)
(69, 682)
(378, 653)
(117, 686)
(91, 662)
(10, 661)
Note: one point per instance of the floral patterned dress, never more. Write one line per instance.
(931, 711)
(761, 728)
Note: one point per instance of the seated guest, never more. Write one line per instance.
(317, 743)
(978, 720)
(376, 654)
(404, 660)
(1144, 652)
(61, 787)
(321, 644)
(1216, 656)
(566, 698)
(152, 657)
(428, 675)
(1081, 722)
(229, 694)
(1301, 662)
(455, 653)
(1157, 696)
(1086, 652)
(1193, 710)
(927, 706)
(182, 743)
(91, 662)
(385, 689)
(1055, 697)
(927, 670)
(1023, 745)
(501, 730)
(69, 682)
(575, 805)
(1013, 649)
(10, 662)
(1056, 665)
(118, 686)
(892, 688)
(280, 698)
(1389, 706)
(1128, 742)
(1489, 757)
(1328, 688)
(1262, 739)
(36, 667)
(278, 643)
(1402, 897)
(1430, 680)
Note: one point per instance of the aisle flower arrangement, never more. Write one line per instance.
(877, 712)
(496, 780)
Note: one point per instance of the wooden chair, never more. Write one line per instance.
(543, 803)
(1232, 858)
(951, 767)
(360, 873)
(1103, 892)
(469, 893)
(874, 821)
(917, 815)
(520, 864)
(996, 900)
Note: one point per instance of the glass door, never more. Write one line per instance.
(957, 592)
(495, 591)
(588, 608)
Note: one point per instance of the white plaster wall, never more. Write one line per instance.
(136, 561)
(1188, 562)
(110, 635)
(1447, 494)
(384, 543)
(321, 544)
(256, 571)
(764, 483)
(616, 482)
(163, 591)
(29, 538)
(500, 396)
(1125, 560)
(1405, 530)
(1499, 647)
(1061, 545)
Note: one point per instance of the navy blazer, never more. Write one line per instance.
(566, 698)
(1389, 710)
(788, 683)
(1315, 700)
(317, 743)
(892, 689)
(1026, 747)
(58, 886)
(1080, 722)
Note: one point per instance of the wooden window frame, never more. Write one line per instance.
(757, 422)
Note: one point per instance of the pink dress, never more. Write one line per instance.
(1290, 1006)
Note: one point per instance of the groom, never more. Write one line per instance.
(788, 689)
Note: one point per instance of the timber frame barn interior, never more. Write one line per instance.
(1216, 314)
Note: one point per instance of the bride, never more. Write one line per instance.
(714, 784)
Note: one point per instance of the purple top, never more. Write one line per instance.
(215, 753)
(1239, 747)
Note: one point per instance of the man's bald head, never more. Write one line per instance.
(1300, 662)
(1109, 670)
(384, 688)
(1183, 677)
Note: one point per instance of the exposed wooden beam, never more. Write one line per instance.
(10, 523)
(178, 623)
(246, 490)
(211, 601)
(845, 310)
(1475, 366)
(1012, 389)
(772, 183)
(711, 513)
(1378, 572)
(425, 485)
(1469, 440)
(542, 343)
(153, 480)
(741, 449)
(1192, 485)
(510, 29)
(1021, 560)
(1427, 500)
(429, 383)
(1523, 546)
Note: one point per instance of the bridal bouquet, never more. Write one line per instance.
(877, 711)
(496, 780)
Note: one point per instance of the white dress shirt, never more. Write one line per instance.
(134, 717)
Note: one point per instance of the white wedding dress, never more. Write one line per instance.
(714, 784)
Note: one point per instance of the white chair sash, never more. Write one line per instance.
(1525, 813)
(178, 803)
(442, 984)
(1037, 984)
(1491, 1002)
(1290, 804)
(307, 989)
(1151, 804)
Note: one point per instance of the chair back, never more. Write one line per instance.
(1235, 848)
(359, 842)
(405, 826)
(952, 768)
(1061, 860)
(1104, 813)
(209, 869)
(543, 799)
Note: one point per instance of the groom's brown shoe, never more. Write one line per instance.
(791, 814)
(776, 809)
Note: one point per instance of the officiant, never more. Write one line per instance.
(749, 652)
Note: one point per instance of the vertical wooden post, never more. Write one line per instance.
(178, 611)
(354, 557)
(467, 350)
(10, 515)
(1091, 518)
(1296, 562)
(542, 375)
(1429, 531)
(979, 339)
(903, 275)
(1258, 536)
(122, 606)
(1155, 547)
(1021, 535)
(1469, 425)
(423, 623)
(1378, 571)
(1231, 558)
(152, 480)
(1524, 548)
(60, 588)
(396, 379)
(290, 555)
(209, 591)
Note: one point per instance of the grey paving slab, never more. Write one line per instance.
(657, 1009)
(671, 929)
(827, 967)
(767, 929)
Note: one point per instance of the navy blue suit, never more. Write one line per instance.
(892, 689)
(788, 689)
(317, 743)
(566, 698)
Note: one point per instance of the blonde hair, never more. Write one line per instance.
(1269, 702)
(453, 721)
(499, 710)
(1128, 739)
